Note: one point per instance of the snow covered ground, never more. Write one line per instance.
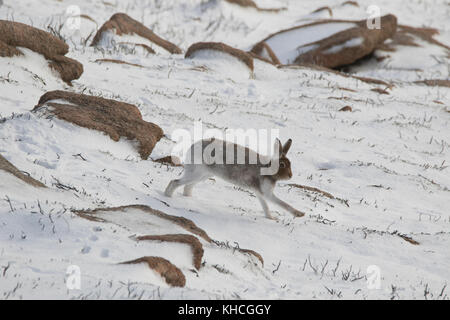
(388, 159)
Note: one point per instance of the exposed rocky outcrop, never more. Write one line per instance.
(120, 23)
(116, 119)
(7, 166)
(16, 34)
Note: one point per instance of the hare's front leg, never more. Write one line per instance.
(265, 207)
(284, 205)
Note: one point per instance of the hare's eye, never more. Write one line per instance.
(282, 165)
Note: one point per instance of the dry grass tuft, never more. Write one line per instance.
(7, 166)
(165, 268)
(435, 82)
(16, 34)
(253, 253)
(252, 4)
(193, 242)
(222, 47)
(184, 223)
(259, 48)
(346, 108)
(330, 12)
(124, 24)
(170, 160)
(316, 190)
(116, 119)
(353, 3)
(119, 62)
(379, 90)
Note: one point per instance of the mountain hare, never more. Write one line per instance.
(213, 157)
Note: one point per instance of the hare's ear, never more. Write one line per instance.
(277, 148)
(286, 146)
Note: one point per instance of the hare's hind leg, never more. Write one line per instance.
(191, 176)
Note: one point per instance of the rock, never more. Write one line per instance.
(330, 43)
(116, 119)
(120, 23)
(15, 34)
(7, 166)
(221, 47)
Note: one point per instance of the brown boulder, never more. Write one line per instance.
(124, 24)
(116, 119)
(16, 34)
(243, 56)
(7, 166)
(338, 49)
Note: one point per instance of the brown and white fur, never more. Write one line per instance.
(246, 175)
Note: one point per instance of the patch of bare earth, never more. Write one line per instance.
(221, 47)
(172, 275)
(184, 223)
(120, 23)
(16, 34)
(7, 166)
(116, 119)
(193, 242)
